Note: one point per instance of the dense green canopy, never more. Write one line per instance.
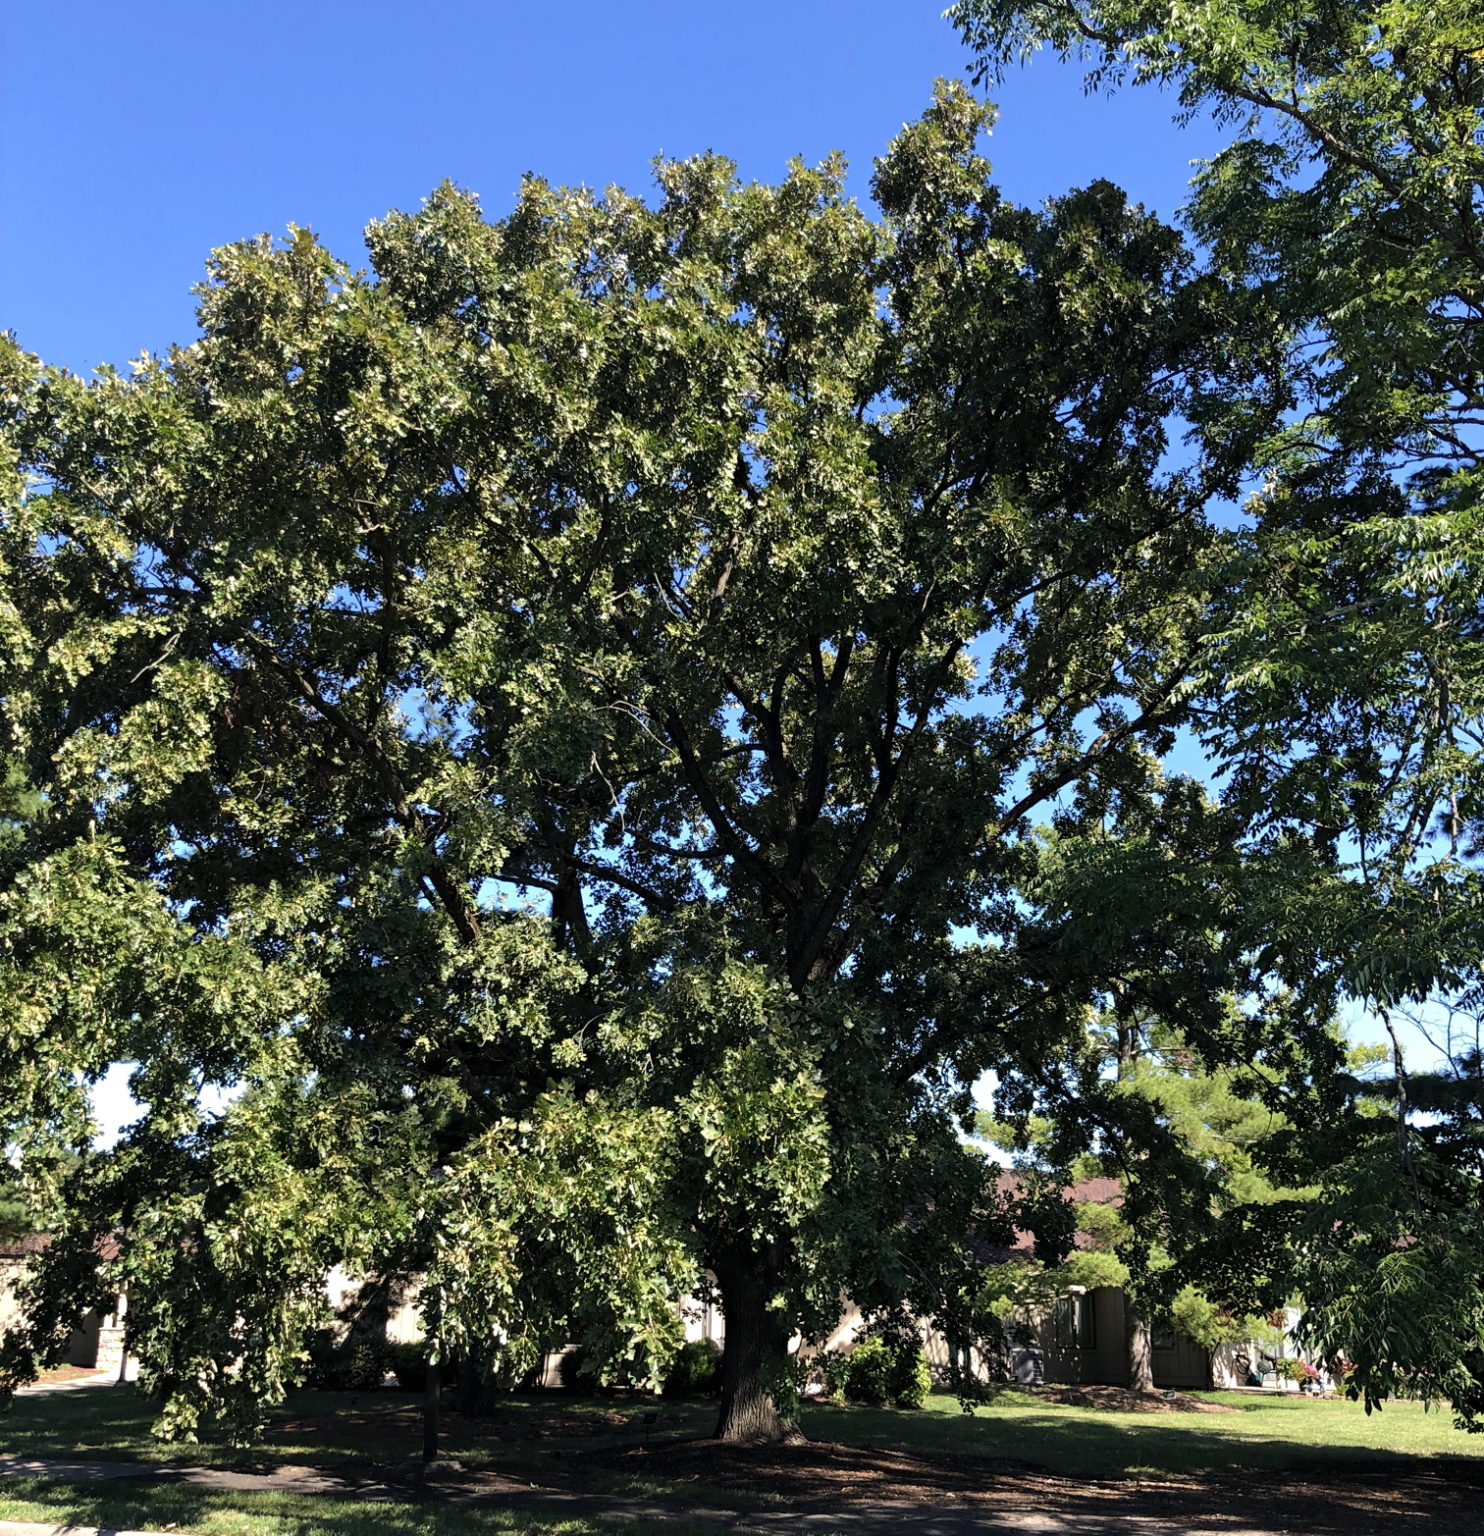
(564, 721)
(1347, 207)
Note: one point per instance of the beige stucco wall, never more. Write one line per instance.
(10, 1310)
(95, 1341)
(701, 1319)
(404, 1319)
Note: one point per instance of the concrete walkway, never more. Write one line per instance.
(74, 1384)
(881, 1519)
(30, 1528)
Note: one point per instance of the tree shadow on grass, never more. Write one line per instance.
(158, 1504)
(1087, 1443)
(97, 1421)
(1274, 1466)
(330, 1429)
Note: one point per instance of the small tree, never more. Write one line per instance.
(1345, 207)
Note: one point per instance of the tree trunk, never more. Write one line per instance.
(430, 1412)
(756, 1345)
(1140, 1352)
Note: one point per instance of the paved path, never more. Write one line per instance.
(285, 1479)
(881, 1519)
(29, 1528)
(73, 1384)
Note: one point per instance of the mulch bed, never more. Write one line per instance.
(1121, 1400)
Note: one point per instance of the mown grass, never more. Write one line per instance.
(203, 1512)
(342, 1430)
(550, 1439)
(1265, 1433)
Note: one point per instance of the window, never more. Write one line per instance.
(1074, 1323)
(1064, 1324)
(1087, 1323)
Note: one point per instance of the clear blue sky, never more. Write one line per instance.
(134, 138)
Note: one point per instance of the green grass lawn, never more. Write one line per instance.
(558, 1441)
(1266, 1433)
(205, 1513)
(343, 1430)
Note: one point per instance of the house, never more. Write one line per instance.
(1083, 1337)
(98, 1339)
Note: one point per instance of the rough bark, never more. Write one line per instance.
(430, 1412)
(755, 1342)
(1140, 1353)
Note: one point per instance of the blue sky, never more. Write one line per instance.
(134, 139)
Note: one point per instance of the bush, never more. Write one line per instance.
(695, 1370)
(354, 1363)
(868, 1373)
(410, 1367)
(577, 1373)
(876, 1372)
(911, 1381)
(835, 1368)
(479, 1386)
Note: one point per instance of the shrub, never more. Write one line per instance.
(877, 1372)
(868, 1373)
(354, 1363)
(479, 1386)
(410, 1367)
(695, 1370)
(911, 1380)
(835, 1368)
(576, 1372)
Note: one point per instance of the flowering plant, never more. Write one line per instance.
(1296, 1370)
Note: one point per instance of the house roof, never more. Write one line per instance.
(1023, 1247)
(38, 1242)
(24, 1247)
(1096, 1192)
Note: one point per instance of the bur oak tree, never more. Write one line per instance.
(559, 723)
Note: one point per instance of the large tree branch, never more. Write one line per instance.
(453, 897)
(655, 899)
(816, 954)
(1153, 714)
(735, 845)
